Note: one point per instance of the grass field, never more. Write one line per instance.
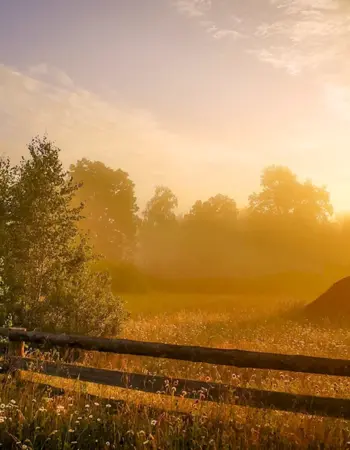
(260, 323)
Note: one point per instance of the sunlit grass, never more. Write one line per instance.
(251, 323)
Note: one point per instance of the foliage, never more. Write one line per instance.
(110, 207)
(125, 276)
(283, 195)
(159, 231)
(287, 227)
(219, 208)
(160, 209)
(46, 278)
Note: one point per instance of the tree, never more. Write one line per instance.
(289, 219)
(159, 232)
(6, 181)
(209, 231)
(160, 209)
(46, 273)
(218, 209)
(282, 195)
(110, 208)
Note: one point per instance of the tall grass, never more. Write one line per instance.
(30, 418)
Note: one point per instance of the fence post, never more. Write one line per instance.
(16, 348)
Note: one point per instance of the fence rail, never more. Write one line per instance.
(224, 357)
(194, 389)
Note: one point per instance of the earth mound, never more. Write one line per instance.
(334, 304)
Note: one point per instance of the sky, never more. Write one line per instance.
(198, 95)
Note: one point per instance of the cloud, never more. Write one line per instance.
(298, 36)
(50, 74)
(193, 8)
(310, 37)
(219, 33)
(85, 125)
(205, 12)
(312, 34)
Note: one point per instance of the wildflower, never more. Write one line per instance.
(2, 419)
(13, 402)
(34, 400)
(74, 442)
(108, 444)
(71, 430)
(77, 422)
(80, 418)
(141, 433)
(91, 416)
(108, 405)
(24, 447)
(98, 420)
(2, 406)
(153, 423)
(96, 404)
(37, 428)
(87, 406)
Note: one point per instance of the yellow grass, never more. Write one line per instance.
(251, 323)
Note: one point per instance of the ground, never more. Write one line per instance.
(252, 323)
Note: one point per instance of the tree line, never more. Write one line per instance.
(288, 227)
(71, 240)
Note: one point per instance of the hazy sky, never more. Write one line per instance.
(199, 95)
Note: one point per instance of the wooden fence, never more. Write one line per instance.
(214, 392)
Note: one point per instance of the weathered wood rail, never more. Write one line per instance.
(215, 392)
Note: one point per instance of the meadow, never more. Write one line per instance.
(31, 418)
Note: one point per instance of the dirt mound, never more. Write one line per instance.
(334, 304)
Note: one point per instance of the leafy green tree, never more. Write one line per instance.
(46, 273)
(283, 195)
(159, 232)
(209, 233)
(289, 220)
(110, 213)
(218, 209)
(160, 209)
